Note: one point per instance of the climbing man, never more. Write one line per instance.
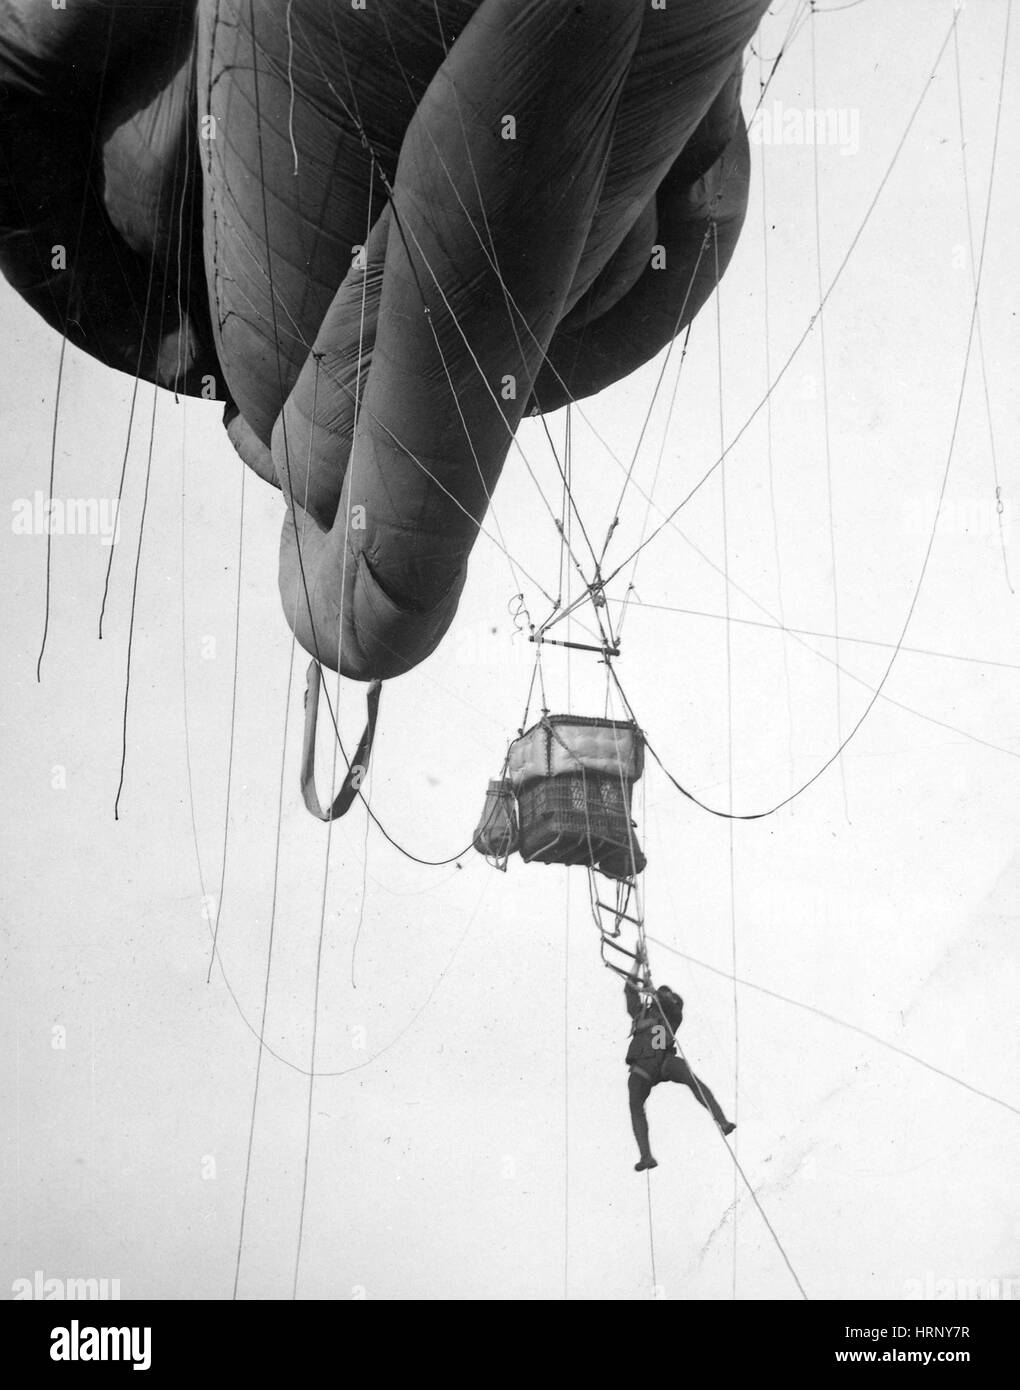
(652, 1056)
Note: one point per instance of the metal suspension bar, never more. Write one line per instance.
(575, 646)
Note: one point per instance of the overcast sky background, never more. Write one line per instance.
(479, 1144)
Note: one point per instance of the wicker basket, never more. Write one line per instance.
(496, 833)
(560, 744)
(579, 818)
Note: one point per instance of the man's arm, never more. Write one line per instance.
(632, 990)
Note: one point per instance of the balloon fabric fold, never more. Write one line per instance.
(381, 234)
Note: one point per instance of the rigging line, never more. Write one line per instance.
(495, 267)
(355, 117)
(315, 1034)
(796, 634)
(404, 448)
(343, 386)
(259, 1033)
(710, 232)
(63, 342)
(803, 19)
(130, 427)
(774, 13)
(851, 675)
(487, 245)
(566, 1096)
(233, 693)
(823, 656)
(453, 393)
(184, 662)
(756, 1200)
(439, 28)
(629, 475)
(570, 515)
(730, 1151)
(787, 630)
(134, 599)
(276, 338)
(286, 444)
(877, 690)
(531, 689)
(325, 691)
(290, 84)
(273, 303)
(835, 9)
(514, 576)
(49, 536)
(348, 390)
(363, 895)
(321, 938)
(840, 1022)
(674, 397)
(269, 963)
(275, 897)
(564, 500)
(296, 1067)
(481, 242)
(567, 537)
(729, 742)
(353, 465)
(651, 1233)
(568, 499)
(980, 335)
(770, 457)
(823, 358)
(625, 801)
(141, 537)
(855, 239)
(233, 725)
(184, 202)
(330, 823)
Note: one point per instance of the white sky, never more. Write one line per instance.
(487, 1153)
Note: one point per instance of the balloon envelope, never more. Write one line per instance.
(379, 234)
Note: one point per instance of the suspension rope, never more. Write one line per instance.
(94, 142)
(840, 1022)
(999, 507)
(729, 743)
(736, 1163)
(855, 239)
(233, 724)
(286, 449)
(787, 630)
(770, 453)
(823, 359)
(707, 239)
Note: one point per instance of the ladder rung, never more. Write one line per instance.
(607, 941)
(620, 916)
(617, 969)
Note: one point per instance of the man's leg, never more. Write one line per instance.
(640, 1089)
(676, 1069)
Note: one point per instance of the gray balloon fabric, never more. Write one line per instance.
(380, 234)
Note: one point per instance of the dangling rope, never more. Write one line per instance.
(823, 359)
(729, 744)
(96, 125)
(999, 507)
(736, 1163)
